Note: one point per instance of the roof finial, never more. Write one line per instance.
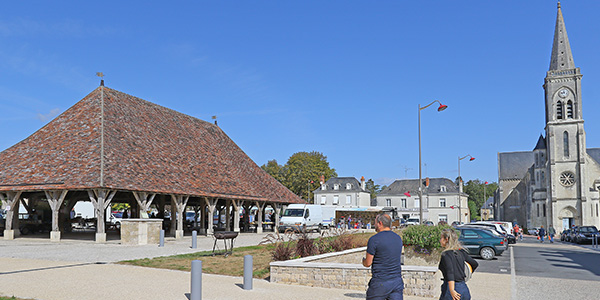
(558, 4)
(101, 75)
(215, 118)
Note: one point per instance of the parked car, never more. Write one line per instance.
(429, 223)
(114, 221)
(412, 222)
(482, 242)
(498, 228)
(533, 231)
(565, 235)
(585, 234)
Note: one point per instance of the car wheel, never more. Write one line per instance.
(487, 253)
(118, 225)
(25, 230)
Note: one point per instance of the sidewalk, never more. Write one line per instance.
(39, 269)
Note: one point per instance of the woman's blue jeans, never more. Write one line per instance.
(461, 287)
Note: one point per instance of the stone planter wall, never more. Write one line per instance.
(344, 270)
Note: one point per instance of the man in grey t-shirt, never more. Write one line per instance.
(384, 253)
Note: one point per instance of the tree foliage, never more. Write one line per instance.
(301, 174)
(476, 190)
(373, 188)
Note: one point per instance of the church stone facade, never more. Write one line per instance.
(558, 182)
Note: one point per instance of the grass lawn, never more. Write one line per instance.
(233, 265)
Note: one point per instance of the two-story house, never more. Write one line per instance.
(343, 192)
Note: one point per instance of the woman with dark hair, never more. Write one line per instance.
(452, 265)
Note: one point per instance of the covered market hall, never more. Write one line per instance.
(112, 147)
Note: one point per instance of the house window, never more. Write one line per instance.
(336, 199)
(442, 188)
(559, 110)
(566, 143)
(417, 202)
(388, 202)
(323, 199)
(348, 199)
(402, 203)
(348, 186)
(442, 202)
(538, 210)
(324, 187)
(336, 187)
(543, 177)
(570, 109)
(443, 218)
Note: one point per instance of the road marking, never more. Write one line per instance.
(513, 275)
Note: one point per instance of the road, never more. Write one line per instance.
(555, 271)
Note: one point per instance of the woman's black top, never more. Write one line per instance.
(452, 264)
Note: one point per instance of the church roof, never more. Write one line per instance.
(594, 153)
(514, 165)
(561, 58)
(401, 186)
(541, 144)
(113, 140)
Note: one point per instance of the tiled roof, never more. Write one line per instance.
(147, 147)
(341, 181)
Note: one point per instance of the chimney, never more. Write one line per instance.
(322, 179)
(363, 185)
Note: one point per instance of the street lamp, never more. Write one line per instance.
(441, 108)
(471, 158)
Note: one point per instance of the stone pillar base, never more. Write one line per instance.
(9, 234)
(179, 234)
(236, 229)
(55, 236)
(259, 229)
(100, 237)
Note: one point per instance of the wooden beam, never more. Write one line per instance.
(55, 200)
(144, 200)
(12, 201)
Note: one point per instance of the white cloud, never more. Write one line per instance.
(49, 116)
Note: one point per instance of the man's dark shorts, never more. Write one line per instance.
(385, 289)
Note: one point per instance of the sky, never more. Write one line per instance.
(344, 78)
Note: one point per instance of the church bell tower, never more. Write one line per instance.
(565, 136)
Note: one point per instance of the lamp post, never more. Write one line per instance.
(441, 108)
(471, 158)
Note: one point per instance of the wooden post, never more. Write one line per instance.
(259, 217)
(227, 215)
(101, 199)
(55, 200)
(12, 201)
(211, 204)
(144, 201)
(180, 202)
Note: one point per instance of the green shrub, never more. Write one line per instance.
(422, 237)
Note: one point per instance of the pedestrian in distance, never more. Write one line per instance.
(384, 256)
(452, 265)
(542, 233)
(551, 233)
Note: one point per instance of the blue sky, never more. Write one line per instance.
(344, 78)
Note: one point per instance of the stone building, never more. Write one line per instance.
(556, 183)
(111, 147)
(343, 192)
(442, 200)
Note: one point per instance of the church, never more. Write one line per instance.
(557, 183)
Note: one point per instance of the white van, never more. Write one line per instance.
(299, 217)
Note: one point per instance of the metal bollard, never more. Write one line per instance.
(194, 239)
(196, 291)
(162, 238)
(248, 272)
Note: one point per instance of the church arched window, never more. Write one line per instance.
(559, 110)
(570, 109)
(566, 143)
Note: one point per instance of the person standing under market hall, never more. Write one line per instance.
(384, 256)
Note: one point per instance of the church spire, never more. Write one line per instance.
(562, 58)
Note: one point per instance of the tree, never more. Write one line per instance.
(301, 173)
(475, 190)
(373, 188)
(274, 169)
(303, 170)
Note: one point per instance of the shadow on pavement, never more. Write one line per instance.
(47, 268)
